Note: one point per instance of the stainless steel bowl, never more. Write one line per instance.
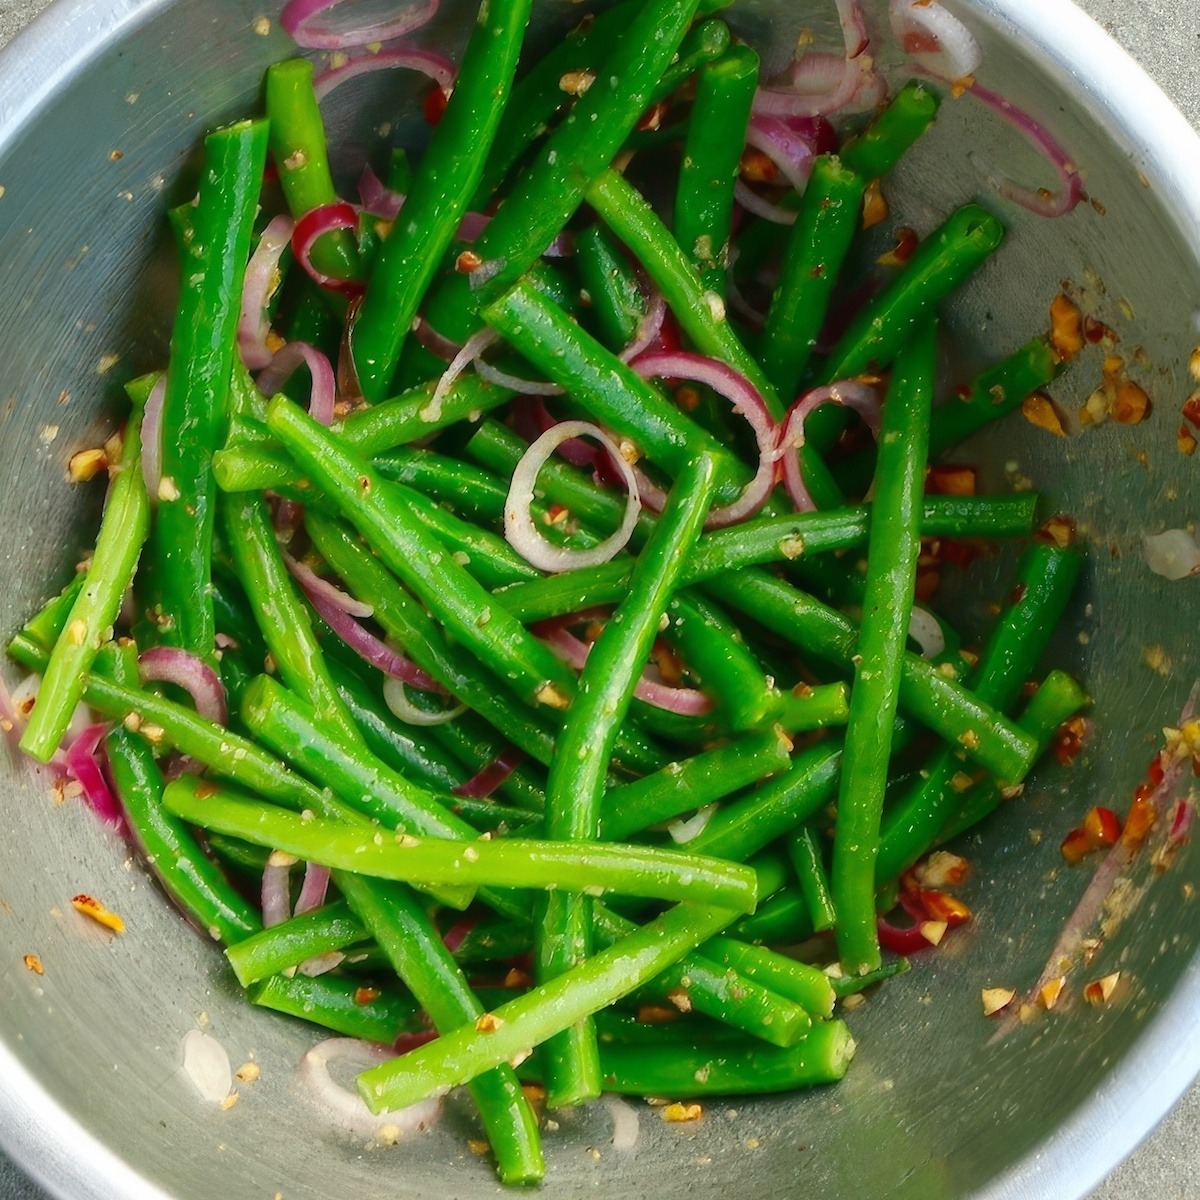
(101, 105)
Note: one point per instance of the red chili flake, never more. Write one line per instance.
(875, 206)
(1140, 819)
(1066, 328)
(958, 553)
(1069, 740)
(1017, 595)
(435, 104)
(1096, 331)
(964, 391)
(364, 995)
(467, 262)
(1103, 826)
(1076, 846)
(942, 907)
(652, 118)
(756, 167)
(928, 583)
(950, 479)
(898, 255)
(1191, 409)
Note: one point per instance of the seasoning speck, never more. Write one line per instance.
(261, 26)
(678, 1113)
(34, 964)
(49, 433)
(249, 1072)
(89, 906)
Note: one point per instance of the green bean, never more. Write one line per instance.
(472, 741)
(783, 918)
(191, 880)
(681, 787)
(341, 1004)
(406, 621)
(711, 161)
(194, 409)
(806, 985)
(259, 954)
(740, 829)
(279, 611)
(380, 514)
(894, 546)
(617, 302)
(1046, 577)
(763, 540)
(507, 862)
(877, 150)
(47, 624)
(301, 157)
(445, 181)
(805, 848)
(123, 530)
(546, 195)
(997, 392)
(473, 493)
(849, 985)
(812, 264)
(575, 785)
(404, 931)
(805, 709)
(547, 1009)
(1057, 700)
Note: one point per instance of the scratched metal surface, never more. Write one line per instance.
(928, 1111)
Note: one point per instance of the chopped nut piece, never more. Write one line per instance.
(575, 83)
(933, 931)
(549, 695)
(1050, 992)
(90, 907)
(477, 1146)
(77, 632)
(1131, 405)
(996, 999)
(281, 858)
(167, 490)
(680, 998)
(488, 1023)
(86, 465)
(875, 206)
(261, 26)
(942, 869)
(229, 1101)
(248, 1072)
(1058, 530)
(970, 739)
(1100, 991)
(34, 964)
(677, 1112)
(1186, 441)
(516, 978)
(853, 1001)
(467, 262)
(1039, 410)
(1066, 328)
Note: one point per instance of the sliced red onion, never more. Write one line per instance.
(433, 341)
(395, 696)
(312, 583)
(854, 394)
(168, 664)
(332, 609)
(456, 934)
(746, 401)
(276, 893)
(935, 39)
(790, 143)
(526, 387)
(1174, 554)
(649, 327)
(1038, 200)
(625, 1122)
(484, 783)
(926, 631)
(521, 529)
(752, 202)
(409, 58)
(345, 1108)
(289, 515)
(378, 199)
(531, 418)
(411, 1041)
(284, 364)
(82, 762)
(472, 225)
(682, 831)
(206, 1064)
(152, 437)
(262, 279)
(684, 702)
(328, 218)
(298, 16)
(313, 890)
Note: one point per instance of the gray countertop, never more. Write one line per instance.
(1164, 35)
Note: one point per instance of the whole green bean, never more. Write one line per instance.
(341, 1004)
(191, 880)
(302, 159)
(894, 546)
(716, 134)
(441, 190)
(281, 615)
(123, 530)
(807, 985)
(681, 787)
(1046, 578)
(575, 785)
(545, 1010)
(804, 846)
(194, 409)
(849, 985)
(876, 151)
(47, 624)
(507, 862)
(812, 264)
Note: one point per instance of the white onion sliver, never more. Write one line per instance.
(752, 202)
(525, 387)
(626, 1126)
(521, 529)
(152, 437)
(474, 346)
(297, 18)
(320, 964)
(1173, 554)
(345, 1108)
(286, 361)
(935, 38)
(682, 831)
(206, 1064)
(261, 280)
(435, 66)
(395, 696)
(924, 629)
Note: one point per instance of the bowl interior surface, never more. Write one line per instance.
(91, 1096)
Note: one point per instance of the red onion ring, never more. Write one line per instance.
(262, 279)
(746, 401)
(519, 526)
(484, 783)
(378, 199)
(297, 18)
(853, 394)
(275, 895)
(410, 58)
(686, 702)
(313, 890)
(312, 583)
(284, 364)
(433, 341)
(328, 218)
(474, 346)
(1037, 200)
(935, 39)
(332, 609)
(168, 664)
(152, 437)
(531, 418)
(82, 763)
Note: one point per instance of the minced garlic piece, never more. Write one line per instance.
(676, 1113)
